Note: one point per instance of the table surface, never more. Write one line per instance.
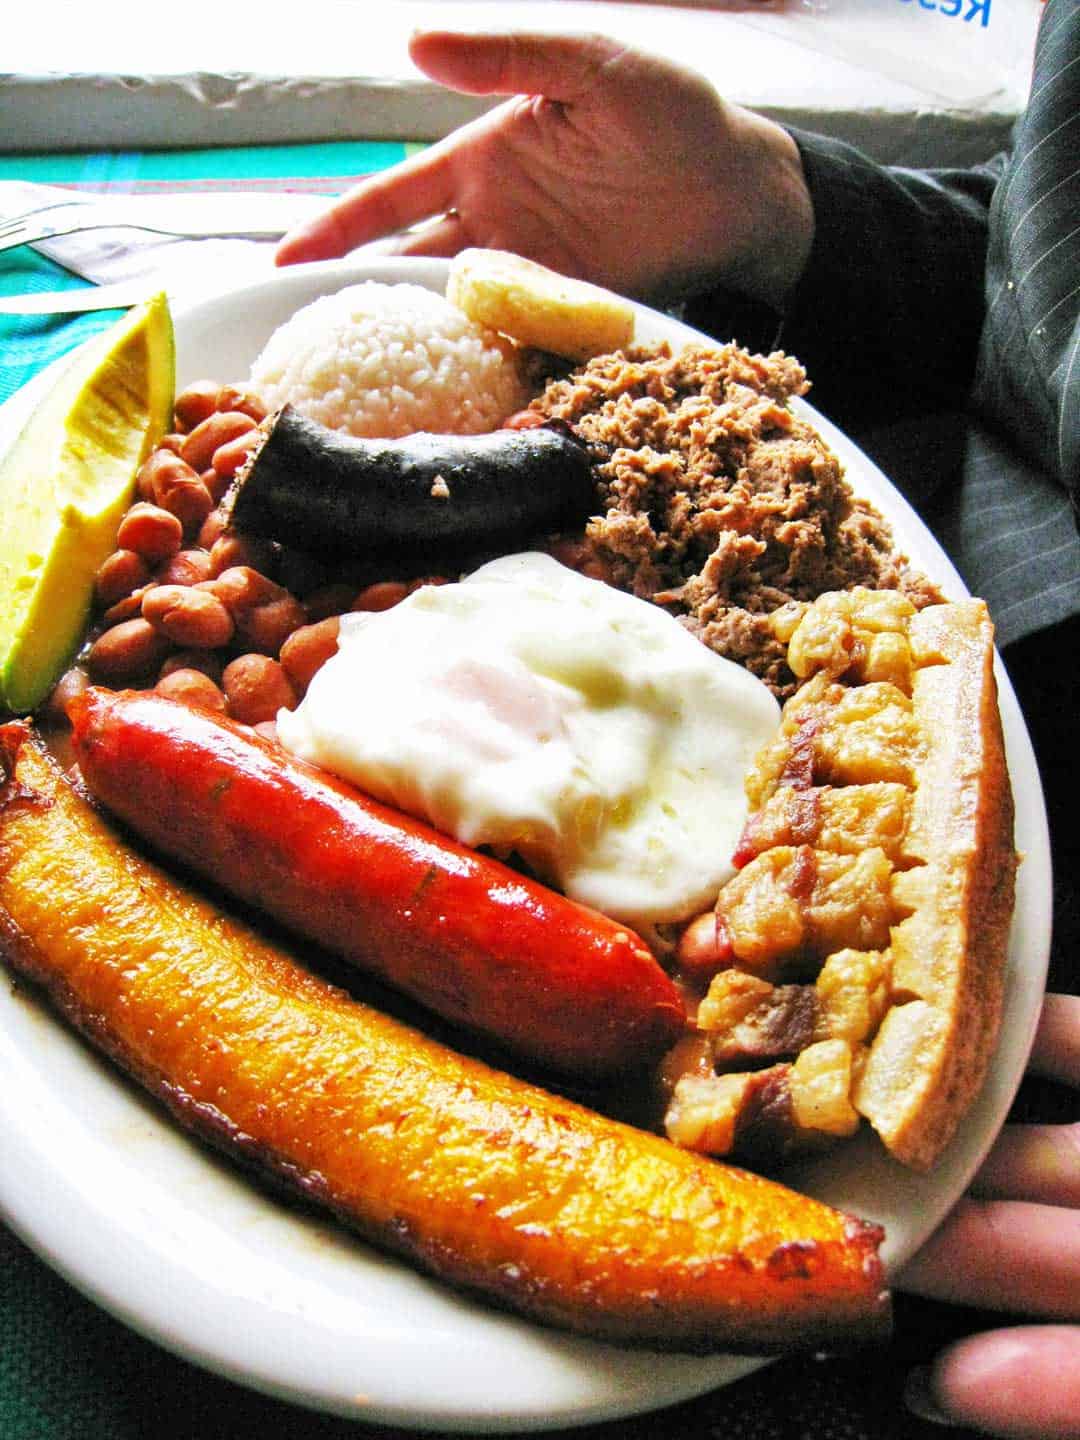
(68, 1370)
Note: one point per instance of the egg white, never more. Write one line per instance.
(543, 714)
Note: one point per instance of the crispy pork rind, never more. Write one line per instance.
(863, 938)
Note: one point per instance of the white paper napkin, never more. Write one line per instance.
(181, 266)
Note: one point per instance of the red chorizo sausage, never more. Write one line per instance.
(466, 935)
(474, 1176)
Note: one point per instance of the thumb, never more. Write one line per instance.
(559, 67)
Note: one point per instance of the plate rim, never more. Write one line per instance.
(669, 1378)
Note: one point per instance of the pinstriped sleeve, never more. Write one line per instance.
(1028, 378)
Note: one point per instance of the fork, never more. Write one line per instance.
(6, 220)
(27, 230)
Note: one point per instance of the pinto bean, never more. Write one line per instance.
(161, 459)
(192, 687)
(127, 653)
(71, 684)
(231, 550)
(179, 490)
(128, 607)
(210, 530)
(187, 567)
(383, 595)
(228, 458)
(231, 397)
(144, 480)
(195, 404)
(217, 485)
(209, 662)
(307, 650)
(256, 688)
(264, 613)
(266, 627)
(242, 587)
(213, 432)
(151, 532)
(121, 573)
(188, 615)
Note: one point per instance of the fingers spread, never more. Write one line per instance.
(562, 67)
(1023, 1383)
(1002, 1255)
(1056, 1051)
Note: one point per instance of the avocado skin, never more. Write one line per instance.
(65, 484)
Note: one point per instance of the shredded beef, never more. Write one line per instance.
(720, 502)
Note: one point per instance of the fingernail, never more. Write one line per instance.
(920, 1400)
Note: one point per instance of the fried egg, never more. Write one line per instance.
(549, 718)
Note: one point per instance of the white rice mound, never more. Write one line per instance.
(382, 361)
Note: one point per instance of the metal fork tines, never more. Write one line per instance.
(209, 215)
(23, 215)
(33, 232)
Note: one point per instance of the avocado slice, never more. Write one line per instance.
(64, 486)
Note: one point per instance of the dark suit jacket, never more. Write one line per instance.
(925, 340)
(915, 328)
(925, 318)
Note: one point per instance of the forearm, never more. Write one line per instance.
(767, 260)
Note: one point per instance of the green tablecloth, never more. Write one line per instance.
(68, 1371)
(28, 343)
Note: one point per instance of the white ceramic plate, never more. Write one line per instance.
(176, 1244)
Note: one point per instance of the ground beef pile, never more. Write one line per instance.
(720, 503)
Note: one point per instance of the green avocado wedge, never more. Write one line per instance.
(64, 486)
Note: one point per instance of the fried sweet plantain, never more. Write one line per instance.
(490, 1183)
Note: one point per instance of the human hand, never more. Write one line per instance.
(1014, 1243)
(608, 164)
